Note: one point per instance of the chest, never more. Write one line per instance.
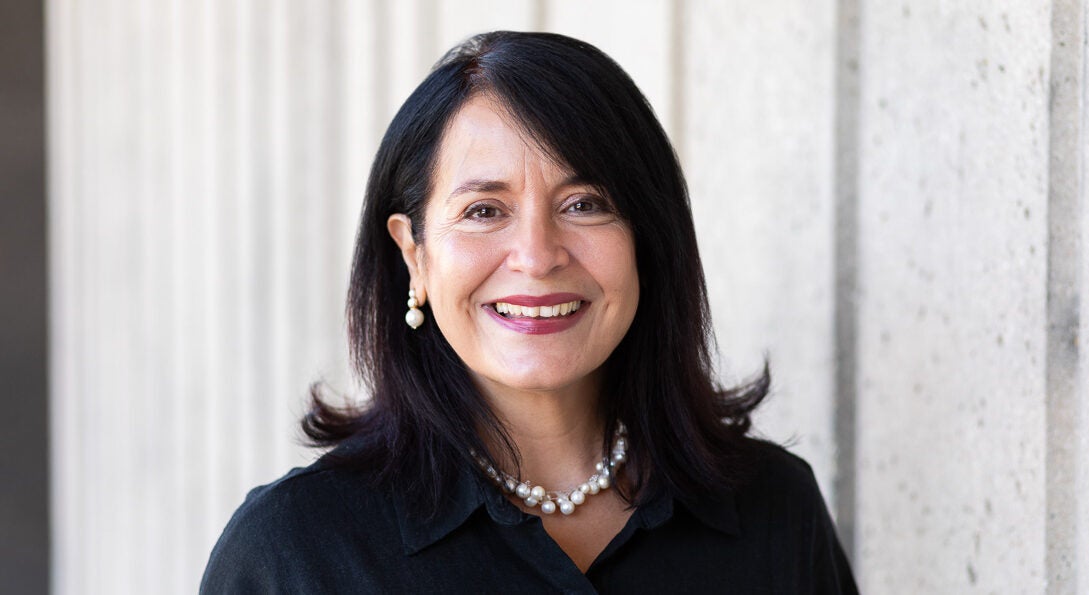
(584, 536)
(489, 558)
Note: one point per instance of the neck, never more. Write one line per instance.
(558, 432)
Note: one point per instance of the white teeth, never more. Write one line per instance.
(513, 310)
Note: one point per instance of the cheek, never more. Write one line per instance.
(626, 285)
(456, 265)
(612, 256)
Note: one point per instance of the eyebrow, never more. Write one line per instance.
(479, 185)
(485, 185)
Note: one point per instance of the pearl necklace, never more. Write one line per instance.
(564, 501)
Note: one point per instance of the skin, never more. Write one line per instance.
(503, 220)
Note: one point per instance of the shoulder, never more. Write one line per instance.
(274, 507)
(332, 489)
(778, 487)
(782, 511)
(778, 470)
(283, 531)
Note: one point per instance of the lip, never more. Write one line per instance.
(540, 300)
(539, 326)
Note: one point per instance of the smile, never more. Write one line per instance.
(538, 314)
(508, 310)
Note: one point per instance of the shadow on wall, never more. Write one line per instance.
(24, 452)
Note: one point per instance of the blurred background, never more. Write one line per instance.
(891, 200)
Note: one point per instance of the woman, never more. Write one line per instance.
(546, 420)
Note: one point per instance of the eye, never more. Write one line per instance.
(588, 205)
(481, 211)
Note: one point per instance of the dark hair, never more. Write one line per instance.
(686, 435)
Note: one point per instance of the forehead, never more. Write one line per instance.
(483, 142)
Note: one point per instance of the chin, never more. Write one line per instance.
(542, 379)
(538, 383)
(533, 369)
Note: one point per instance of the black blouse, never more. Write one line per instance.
(323, 529)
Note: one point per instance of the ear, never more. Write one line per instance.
(400, 229)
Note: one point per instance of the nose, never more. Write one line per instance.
(537, 248)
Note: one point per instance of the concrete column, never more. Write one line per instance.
(953, 259)
(758, 130)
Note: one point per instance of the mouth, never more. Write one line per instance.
(557, 310)
(538, 314)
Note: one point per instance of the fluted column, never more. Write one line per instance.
(207, 167)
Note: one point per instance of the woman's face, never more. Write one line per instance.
(529, 272)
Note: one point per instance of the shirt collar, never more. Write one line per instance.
(471, 491)
(717, 513)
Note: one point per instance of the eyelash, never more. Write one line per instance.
(475, 211)
(597, 205)
(594, 202)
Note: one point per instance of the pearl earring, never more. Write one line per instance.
(414, 317)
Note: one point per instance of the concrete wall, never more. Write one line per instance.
(891, 203)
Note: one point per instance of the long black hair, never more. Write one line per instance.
(686, 435)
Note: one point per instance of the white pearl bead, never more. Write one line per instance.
(414, 318)
(534, 495)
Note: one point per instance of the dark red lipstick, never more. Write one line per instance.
(539, 326)
(542, 300)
